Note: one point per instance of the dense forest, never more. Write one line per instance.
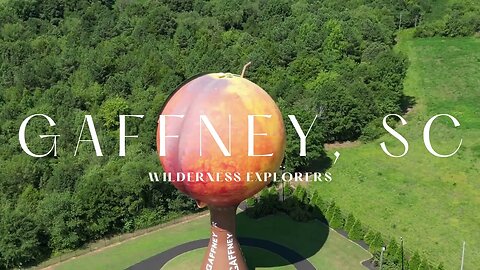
(67, 59)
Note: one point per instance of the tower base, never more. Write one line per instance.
(224, 251)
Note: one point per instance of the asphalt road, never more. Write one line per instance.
(158, 261)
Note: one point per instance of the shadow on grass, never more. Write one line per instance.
(270, 241)
(295, 241)
(406, 103)
(320, 164)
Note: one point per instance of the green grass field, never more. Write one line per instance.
(432, 202)
(308, 239)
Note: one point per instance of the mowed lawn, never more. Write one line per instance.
(434, 203)
(325, 248)
(193, 259)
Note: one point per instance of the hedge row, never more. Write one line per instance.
(302, 206)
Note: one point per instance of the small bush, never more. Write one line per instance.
(349, 222)
(288, 190)
(356, 232)
(301, 195)
(415, 261)
(336, 221)
(372, 131)
(430, 29)
(147, 218)
(250, 202)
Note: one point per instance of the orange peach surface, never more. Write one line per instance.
(219, 96)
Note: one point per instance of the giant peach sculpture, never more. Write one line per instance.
(219, 129)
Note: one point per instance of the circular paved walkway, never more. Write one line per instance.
(158, 261)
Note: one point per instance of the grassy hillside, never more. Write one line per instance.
(432, 202)
(305, 238)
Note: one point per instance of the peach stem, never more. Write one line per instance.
(245, 68)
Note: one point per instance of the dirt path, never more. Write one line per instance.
(340, 145)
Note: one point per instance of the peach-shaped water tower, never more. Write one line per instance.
(216, 134)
